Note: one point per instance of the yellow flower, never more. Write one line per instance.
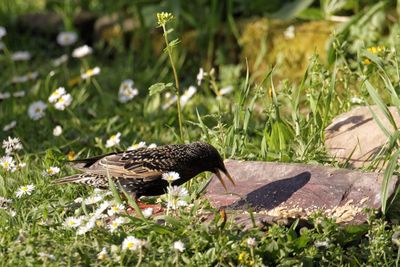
(373, 50)
(163, 18)
(242, 257)
(71, 155)
(376, 49)
(366, 61)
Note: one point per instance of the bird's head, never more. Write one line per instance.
(212, 161)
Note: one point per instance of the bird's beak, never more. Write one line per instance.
(218, 174)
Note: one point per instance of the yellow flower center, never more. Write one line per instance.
(24, 188)
(129, 245)
(71, 155)
(89, 72)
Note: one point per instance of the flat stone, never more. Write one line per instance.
(280, 192)
(355, 136)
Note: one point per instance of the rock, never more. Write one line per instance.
(287, 46)
(280, 192)
(355, 136)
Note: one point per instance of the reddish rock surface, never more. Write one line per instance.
(279, 192)
(355, 136)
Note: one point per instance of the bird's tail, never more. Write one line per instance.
(76, 178)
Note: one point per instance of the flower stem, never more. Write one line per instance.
(140, 258)
(177, 90)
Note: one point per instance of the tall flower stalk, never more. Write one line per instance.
(162, 19)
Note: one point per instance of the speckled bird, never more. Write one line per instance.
(140, 171)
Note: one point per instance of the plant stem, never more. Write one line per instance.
(177, 90)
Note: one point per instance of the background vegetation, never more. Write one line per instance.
(249, 103)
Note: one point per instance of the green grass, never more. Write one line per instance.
(259, 120)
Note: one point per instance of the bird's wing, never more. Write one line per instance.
(129, 165)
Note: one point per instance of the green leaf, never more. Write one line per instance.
(133, 204)
(158, 88)
(114, 190)
(382, 107)
(388, 175)
(291, 9)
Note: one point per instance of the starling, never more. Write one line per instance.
(139, 172)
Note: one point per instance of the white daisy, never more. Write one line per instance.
(57, 131)
(116, 223)
(4, 95)
(63, 102)
(289, 33)
(187, 95)
(82, 51)
(21, 165)
(179, 245)
(52, 171)
(116, 209)
(251, 242)
(356, 100)
(12, 144)
(147, 212)
(170, 176)
(25, 190)
(44, 255)
(36, 110)
(226, 90)
(90, 73)
(60, 60)
(7, 163)
(9, 126)
(175, 203)
(136, 146)
(78, 200)
(67, 38)
(12, 213)
(170, 101)
(21, 56)
(113, 140)
(73, 222)
(3, 32)
(133, 243)
(19, 93)
(20, 79)
(126, 91)
(177, 191)
(24, 78)
(102, 255)
(200, 76)
(87, 227)
(103, 206)
(57, 94)
(93, 199)
(320, 244)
